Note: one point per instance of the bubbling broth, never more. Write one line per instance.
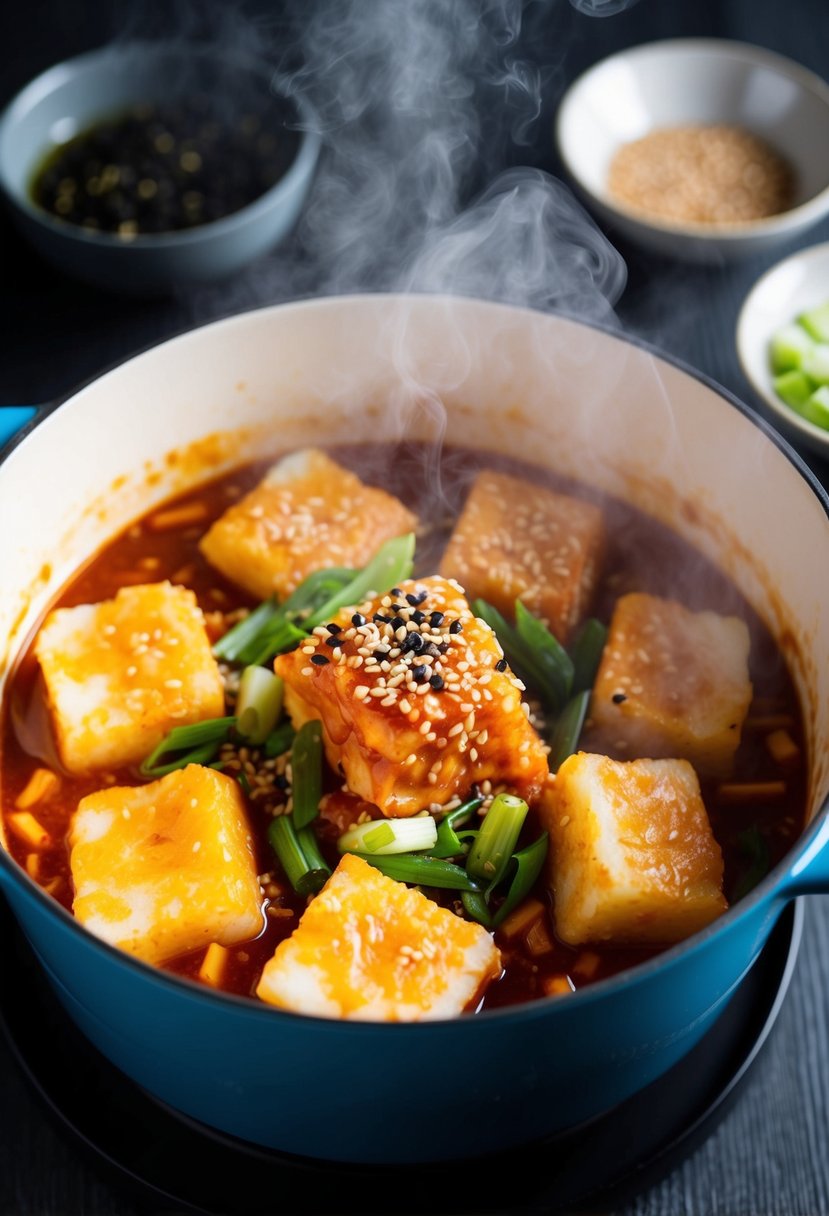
(754, 803)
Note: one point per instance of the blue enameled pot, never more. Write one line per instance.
(509, 380)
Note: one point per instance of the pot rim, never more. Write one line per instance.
(769, 888)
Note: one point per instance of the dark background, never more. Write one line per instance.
(769, 1158)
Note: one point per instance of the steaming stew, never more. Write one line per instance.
(449, 947)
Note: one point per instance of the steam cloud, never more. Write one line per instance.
(420, 103)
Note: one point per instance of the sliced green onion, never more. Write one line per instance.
(196, 744)
(390, 565)
(527, 866)
(586, 653)
(259, 703)
(319, 870)
(552, 662)
(279, 740)
(299, 856)
(449, 843)
(274, 638)
(383, 837)
(421, 871)
(306, 772)
(315, 591)
(231, 645)
(475, 907)
(497, 837)
(755, 851)
(567, 731)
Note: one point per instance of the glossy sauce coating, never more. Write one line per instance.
(641, 556)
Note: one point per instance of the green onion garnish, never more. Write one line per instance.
(306, 772)
(527, 866)
(567, 731)
(275, 638)
(196, 744)
(390, 565)
(259, 703)
(755, 852)
(383, 837)
(231, 645)
(553, 665)
(306, 874)
(449, 842)
(497, 837)
(586, 653)
(279, 740)
(475, 907)
(422, 871)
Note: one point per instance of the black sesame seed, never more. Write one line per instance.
(501, 665)
(320, 659)
(379, 619)
(431, 649)
(618, 698)
(419, 673)
(281, 783)
(399, 608)
(333, 640)
(436, 620)
(395, 591)
(381, 653)
(332, 628)
(397, 622)
(436, 682)
(418, 617)
(443, 647)
(413, 644)
(358, 619)
(455, 627)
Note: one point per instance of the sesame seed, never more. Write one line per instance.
(618, 698)
(321, 660)
(358, 619)
(501, 665)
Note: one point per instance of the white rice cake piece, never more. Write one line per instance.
(308, 513)
(402, 741)
(121, 674)
(632, 858)
(166, 868)
(369, 948)
(673, 683)
(516, 540)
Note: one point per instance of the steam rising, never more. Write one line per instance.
(420, 104)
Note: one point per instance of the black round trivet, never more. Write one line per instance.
(169, 1161)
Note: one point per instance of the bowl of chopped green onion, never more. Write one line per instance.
(142, 168)
(783, 344)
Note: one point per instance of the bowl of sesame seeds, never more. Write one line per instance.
(699, 149)
(143, 168)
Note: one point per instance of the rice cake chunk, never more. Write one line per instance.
(308, 513)
(673, 682)
(166, 868)
(370, 949)
(632, 857)
(515, 540)
(414, 705)
(121, 674)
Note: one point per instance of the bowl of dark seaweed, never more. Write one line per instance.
(142, 168)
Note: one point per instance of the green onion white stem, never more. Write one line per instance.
(259, 703)
(383, 837)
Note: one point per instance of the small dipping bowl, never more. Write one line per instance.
(795, 285)
(685, 82)
(74, 96)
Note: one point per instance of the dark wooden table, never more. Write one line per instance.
(769, 1157)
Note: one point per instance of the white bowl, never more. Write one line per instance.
(690, 81)
(794, 285)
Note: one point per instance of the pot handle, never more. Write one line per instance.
(810, 873)
(12, 419)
